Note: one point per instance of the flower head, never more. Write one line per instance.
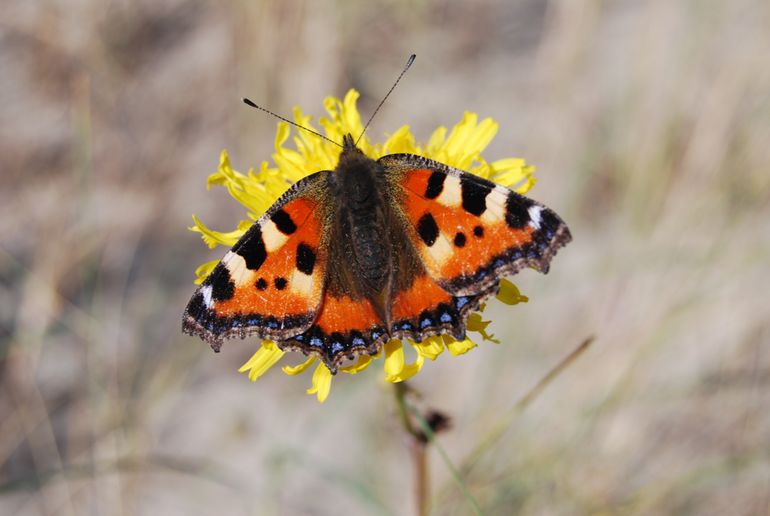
(258, 190)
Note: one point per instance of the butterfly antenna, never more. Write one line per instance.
(279, 117)
(408, 64)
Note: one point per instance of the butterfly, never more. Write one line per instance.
(346, 259)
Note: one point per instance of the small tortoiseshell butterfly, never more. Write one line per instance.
(400, 247)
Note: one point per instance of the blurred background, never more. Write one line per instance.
(649, 124)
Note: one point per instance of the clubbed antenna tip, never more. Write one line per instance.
(406, 67)
(249, 102)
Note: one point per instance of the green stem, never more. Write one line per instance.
(400, 389)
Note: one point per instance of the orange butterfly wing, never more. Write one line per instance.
(348, 327)
(470, 232)
(271, 282)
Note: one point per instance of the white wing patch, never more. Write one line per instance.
(206, 293)
(534, 214)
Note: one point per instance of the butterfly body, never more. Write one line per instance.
(363, 219)
(400, 247)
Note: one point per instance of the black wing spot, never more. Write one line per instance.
(222, 287)
(478, 231)
(517, 211)
(261, 284)
(283, 222)
(474, 196)
(251, 248)
(427, 229)
(305, 258)
(280, 283)
(460, 239)
(435, 185)
(549, 222)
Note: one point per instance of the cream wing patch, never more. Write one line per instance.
(236, 266)
(273, 237)
(495, 203)
(301, 283)
(451, 193)
(440, 251)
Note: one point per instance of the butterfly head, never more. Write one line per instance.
(352, 159)
(348, 143)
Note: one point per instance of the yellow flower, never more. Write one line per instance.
(258, 189)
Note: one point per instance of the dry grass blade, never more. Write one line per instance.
(489, 440)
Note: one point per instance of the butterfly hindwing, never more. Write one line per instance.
(468, 231)
(270, 284)
(347, 327)
(426, 309)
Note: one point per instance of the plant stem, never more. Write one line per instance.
(420, 458)
(417, 446)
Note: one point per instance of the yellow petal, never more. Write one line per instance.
(204, 270)
(281, 135)
(257, 196)
(214, 238)
(436, 141)
(344, 119)
(351, 118)
(460, 132)
(322, 382)
(482, 135)
(251, 194)
(407, 371)
(509, 293)
(291, 164)
(477, 324)
(526, 186)
(400, 141)
(224, 159)
(458, 347)
(306, 142)
(514, 173)
(430, 348)
(224, 172)
(394, 358)
(482, 169)
(362, 363)
(295, 370)
(467, 140)
(262, 360)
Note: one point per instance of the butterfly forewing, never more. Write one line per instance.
(270, 284)
(468, 231)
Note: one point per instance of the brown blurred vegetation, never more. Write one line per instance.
(650, 126)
